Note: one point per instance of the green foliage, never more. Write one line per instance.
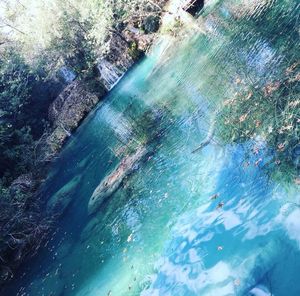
(15, 136)
(72, 33)
(134, 52)
(73, 46)
(21, 124)
(21, 224)
(14, 81)
(272, 113)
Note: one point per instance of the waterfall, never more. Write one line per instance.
(115, 62)
(109, 73)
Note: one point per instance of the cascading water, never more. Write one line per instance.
(181, 223)
(109, 73)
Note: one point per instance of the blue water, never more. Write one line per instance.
(161, 233)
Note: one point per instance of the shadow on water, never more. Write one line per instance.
(195, 7)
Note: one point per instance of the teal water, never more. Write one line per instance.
(161, 233)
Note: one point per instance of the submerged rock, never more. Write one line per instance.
(113, 181)
(58, 203)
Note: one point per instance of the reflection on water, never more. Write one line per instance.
(208, 223)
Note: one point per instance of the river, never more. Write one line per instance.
(182, 223)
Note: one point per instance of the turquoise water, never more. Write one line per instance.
(161, 233)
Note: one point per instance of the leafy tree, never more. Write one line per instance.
(15, 136)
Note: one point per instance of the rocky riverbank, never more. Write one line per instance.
(126, 44)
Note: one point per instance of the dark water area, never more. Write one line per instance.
(183, 223)
(195, 7)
